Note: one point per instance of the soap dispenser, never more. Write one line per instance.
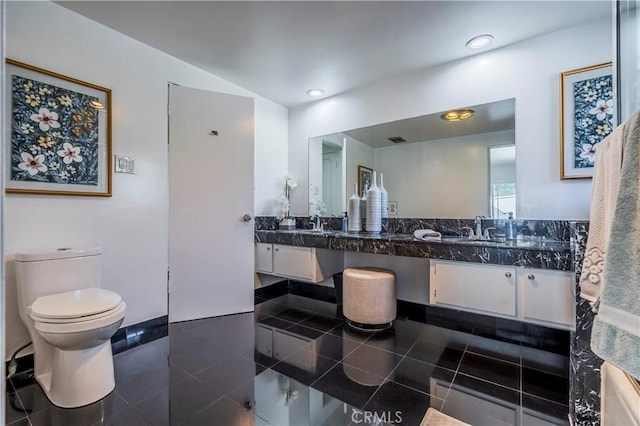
(510, 229)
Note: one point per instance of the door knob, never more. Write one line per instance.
(246, 217)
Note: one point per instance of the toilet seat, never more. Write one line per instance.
(93, 322)
(74, 305)
(77, 311)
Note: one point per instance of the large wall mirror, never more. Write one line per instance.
(432, 168)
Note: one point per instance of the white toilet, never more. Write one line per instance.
(71, 321)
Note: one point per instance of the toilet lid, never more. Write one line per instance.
(75, 304)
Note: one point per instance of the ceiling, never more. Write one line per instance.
(281, 49)
(490, 117)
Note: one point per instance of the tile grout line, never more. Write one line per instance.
(455, 374)
(26, 414)
(386, 379)
(544, 399)
(337, 363)
(519, 363)
(520, 411)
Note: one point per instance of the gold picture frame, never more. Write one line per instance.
(59, 133)
(365, 174)
(587, 115)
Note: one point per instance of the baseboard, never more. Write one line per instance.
(125, 338)
(526, 334)
(411, 311)
(277, 289)
(24, 374)
(138, 334)
(312, 291)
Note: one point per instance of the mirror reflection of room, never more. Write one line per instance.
(433, 168)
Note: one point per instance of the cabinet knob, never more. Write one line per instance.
(531, 277)
(507, 274)
(268, 248)
(277, 249)
(247, 218)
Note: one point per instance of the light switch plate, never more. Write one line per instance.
(124, 164)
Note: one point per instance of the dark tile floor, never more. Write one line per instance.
(295, 362)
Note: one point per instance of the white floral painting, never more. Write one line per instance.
(588, 116)
(60, 140)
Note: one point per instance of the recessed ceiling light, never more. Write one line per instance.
(314, 93)
(457, 114)
(480, 41)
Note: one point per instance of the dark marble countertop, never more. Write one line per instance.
(533, 252)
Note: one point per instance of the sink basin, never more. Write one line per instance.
(312, 231)
(467, 240)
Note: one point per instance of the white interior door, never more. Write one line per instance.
(210, 190)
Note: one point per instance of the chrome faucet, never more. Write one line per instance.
(471, 234)
(487, 234)
(317, 226)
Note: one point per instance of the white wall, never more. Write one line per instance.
(131, 226)
(315, 174)
(358, 154)
(527, 71)
(435, 178)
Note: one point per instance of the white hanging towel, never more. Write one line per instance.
(606, 183)
(616, 329)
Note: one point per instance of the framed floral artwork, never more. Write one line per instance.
(60, 133)
(587, 116)
(364, 179)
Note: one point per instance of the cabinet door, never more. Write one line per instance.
(264, 257)
(476, 287)
(548, 296)
(293, 261)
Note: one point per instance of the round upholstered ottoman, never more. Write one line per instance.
(369, 298)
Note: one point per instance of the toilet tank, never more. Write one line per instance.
(45, 273)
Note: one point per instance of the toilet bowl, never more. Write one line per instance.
(71, 321)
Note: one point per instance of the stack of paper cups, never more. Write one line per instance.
(373, 208)
(384, 199)
(355, 224)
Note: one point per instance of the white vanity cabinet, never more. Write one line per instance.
(264, 258)
(548, 296)
(540, 296)
(476, 287)
(302, 263)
